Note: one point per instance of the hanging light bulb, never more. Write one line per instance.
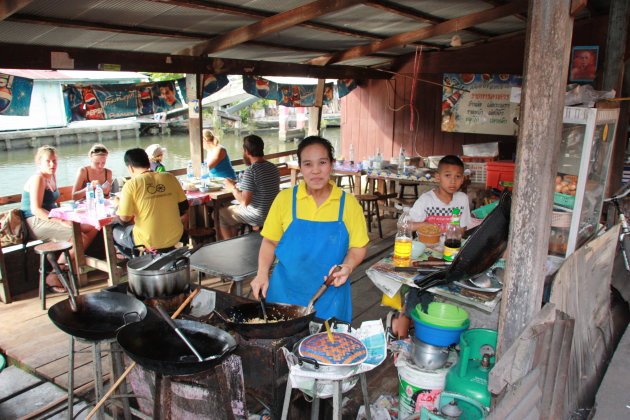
(456, 41)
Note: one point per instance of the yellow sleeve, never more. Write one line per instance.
(273, 228)
(181, 195)
(126, 206)
(355, 223)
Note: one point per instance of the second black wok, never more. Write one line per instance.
(155, 346)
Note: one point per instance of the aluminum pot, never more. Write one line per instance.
(167, 281)
(428, 356)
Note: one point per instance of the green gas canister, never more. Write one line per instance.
(477, 356)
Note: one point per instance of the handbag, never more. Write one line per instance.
(13, 230)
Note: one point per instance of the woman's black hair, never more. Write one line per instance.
(137, 158)
(310, 140)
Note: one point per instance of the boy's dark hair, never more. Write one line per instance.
(166, 84)
(254, 145)
(310, 140)
(450, 160)
(137, 158)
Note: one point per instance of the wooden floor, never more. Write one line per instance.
(31, 341)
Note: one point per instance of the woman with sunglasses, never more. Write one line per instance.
(95, 172)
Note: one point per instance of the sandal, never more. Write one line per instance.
(55, 289)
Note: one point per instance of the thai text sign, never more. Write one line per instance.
(479, 103)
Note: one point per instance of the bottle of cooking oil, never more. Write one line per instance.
(402, 244)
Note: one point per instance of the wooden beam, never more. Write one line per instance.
(424, 33)
(9, 7)
(548, 46)
(501, 2)
(19, 56)
(194, 85)
(269, 25)
(139, 30)
(315, 112)
(411, 13)
(613, 76)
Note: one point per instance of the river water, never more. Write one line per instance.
(17, 165)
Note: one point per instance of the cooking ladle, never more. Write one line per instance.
(181, 335)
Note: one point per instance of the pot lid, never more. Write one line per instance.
(344, 350)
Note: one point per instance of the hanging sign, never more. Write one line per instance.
(15, 95)
(293, 95)
(484, 106)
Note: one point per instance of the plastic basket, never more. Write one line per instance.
(564, 200)
(478, 171)
(561, 219)
(482, 212)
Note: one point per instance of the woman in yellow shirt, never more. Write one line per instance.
(311, 229)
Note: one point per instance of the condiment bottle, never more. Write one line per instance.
(453, 241)
(402, 243)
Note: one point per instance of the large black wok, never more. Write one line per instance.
(285, 320)
(98, 316)
(155, 346)
(481, 251)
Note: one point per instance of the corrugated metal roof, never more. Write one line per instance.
(74, 74)
(169, 27)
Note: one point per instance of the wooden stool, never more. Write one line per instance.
(405, 184)
(50, 251)
(369, 202)
(340, 178)
(200, 235)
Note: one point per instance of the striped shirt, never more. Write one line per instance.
(263, 180)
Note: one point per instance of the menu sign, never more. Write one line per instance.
(479, 103)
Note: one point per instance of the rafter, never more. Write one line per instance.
(9, 7)
(496, 3)
(269, 25)
(20, 56)
(408, 12)
(424, 33)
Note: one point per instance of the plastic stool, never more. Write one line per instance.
(369, 202)
(50, 251)
(405, 184)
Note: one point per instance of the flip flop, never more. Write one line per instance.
(55, 289)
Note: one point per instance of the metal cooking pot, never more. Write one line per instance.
(170, 280)
(155, 346)
(427, 356)
(293, 319)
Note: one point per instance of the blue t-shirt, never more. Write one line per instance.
(224, 168)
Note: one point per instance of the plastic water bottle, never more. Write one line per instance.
(99, 197)
(205, 174)
(402, 244)
(401, 161)
(190, 172)
(89, 197)
(453, 242)
(351, 154)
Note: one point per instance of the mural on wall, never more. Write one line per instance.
(104, 102)
(15, 95)
(293, 95)
(479, 103)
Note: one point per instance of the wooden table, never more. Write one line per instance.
(339, 170)
(234, 259)
(83, 261)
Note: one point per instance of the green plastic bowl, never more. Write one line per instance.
(442, 315)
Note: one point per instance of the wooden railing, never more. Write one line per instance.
(65, 193)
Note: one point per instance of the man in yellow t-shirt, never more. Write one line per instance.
(154, 201)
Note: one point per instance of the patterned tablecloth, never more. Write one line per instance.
(407, 176)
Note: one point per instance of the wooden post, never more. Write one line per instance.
(613, 76)
(548, 46)
(195, 122)
(315, 114)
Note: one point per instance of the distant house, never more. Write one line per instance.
(47, 106)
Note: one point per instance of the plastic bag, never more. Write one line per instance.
(586, 95)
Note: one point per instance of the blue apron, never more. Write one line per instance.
(306, 252)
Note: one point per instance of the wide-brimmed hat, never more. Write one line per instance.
(155, 150)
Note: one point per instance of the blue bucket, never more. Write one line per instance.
(438, 336)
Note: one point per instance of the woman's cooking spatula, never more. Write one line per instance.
(321, 290)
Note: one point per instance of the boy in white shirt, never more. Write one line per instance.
(436, 206)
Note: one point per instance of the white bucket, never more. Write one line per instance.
(420, 384)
